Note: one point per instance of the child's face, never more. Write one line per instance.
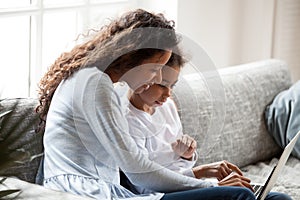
(157, 94)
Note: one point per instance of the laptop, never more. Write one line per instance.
(261, 191)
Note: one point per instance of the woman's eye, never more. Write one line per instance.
(161, 85)
(156, 69)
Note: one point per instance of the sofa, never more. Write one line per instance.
(227, 122)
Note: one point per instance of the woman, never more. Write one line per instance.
(86, 133)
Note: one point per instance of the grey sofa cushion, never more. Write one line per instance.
(20, 146)
(283, 117)
(235, 131)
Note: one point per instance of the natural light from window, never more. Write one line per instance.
(35, 33)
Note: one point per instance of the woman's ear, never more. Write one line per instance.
(142, 89)
(114, 74)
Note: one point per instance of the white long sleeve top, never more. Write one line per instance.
(155, 133)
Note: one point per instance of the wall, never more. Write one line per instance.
(235, 32)
(232, 31)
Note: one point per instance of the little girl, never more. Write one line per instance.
(155, 125)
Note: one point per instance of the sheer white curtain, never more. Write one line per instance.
(286, 43)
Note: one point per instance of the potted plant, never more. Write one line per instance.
(5, 160)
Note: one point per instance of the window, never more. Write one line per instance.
(35, 32)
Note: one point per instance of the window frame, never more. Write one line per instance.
(36, 12)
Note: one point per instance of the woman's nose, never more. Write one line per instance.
(167, 92)
(158, 77)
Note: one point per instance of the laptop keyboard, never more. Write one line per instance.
(257, 189)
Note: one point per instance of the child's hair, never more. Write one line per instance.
(176, 59)
(108, 43)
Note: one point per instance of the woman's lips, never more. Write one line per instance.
(160, 102)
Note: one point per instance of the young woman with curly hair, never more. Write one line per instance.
(86, 136)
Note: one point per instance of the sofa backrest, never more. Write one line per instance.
(21, 147)
(228, 121)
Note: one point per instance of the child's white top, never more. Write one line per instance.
(155, 133)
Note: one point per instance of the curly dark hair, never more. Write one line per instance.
(177, 59)
(107, 42)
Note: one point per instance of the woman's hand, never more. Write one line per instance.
(218, 170)
(185, 147)
(235, 179)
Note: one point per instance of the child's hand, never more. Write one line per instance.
(185, 147)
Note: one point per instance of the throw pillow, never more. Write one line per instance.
(283, 117)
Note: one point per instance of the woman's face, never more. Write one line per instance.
(148, 73)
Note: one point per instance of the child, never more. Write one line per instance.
(155, 124)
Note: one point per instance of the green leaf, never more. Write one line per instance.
(5, 113)
(2, 180)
